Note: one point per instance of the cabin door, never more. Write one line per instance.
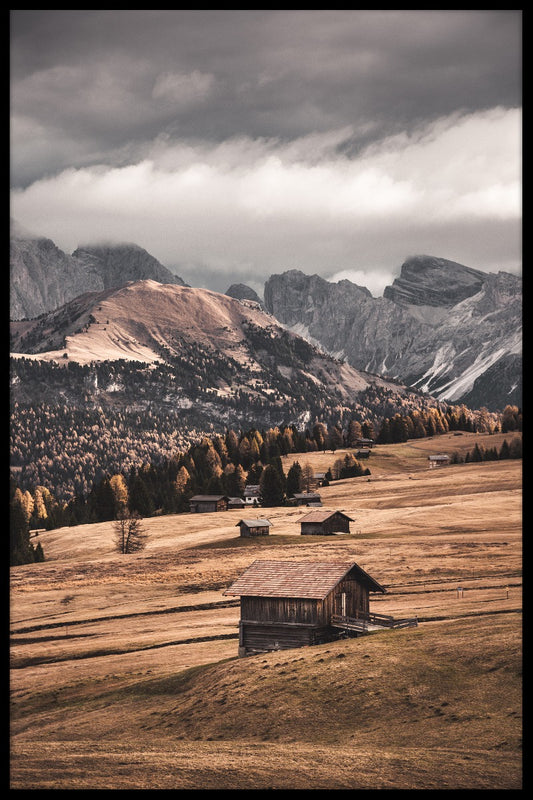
(341, 603)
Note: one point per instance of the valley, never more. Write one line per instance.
(124, 669)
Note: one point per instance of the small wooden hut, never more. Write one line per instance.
(235, 503)
(288, 604)
(251, 494)
(307, 498)
(254, 527)
(204, 503)
(439, 460)
(362, 442)
(325, 523)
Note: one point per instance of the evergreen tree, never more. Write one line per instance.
(254, 474)
(399, 431)
(336, 438)
(140, 500)
(20, 548)
(384, 435)
(477, 453)
(515, 448)
(102, 501)
(505, 450)
(367, 429)
(271, 487)
(38, 553)
(294, 479)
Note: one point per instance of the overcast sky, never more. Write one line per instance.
(236, 144)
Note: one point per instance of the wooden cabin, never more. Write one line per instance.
(251, 494)
(288, 604)
(254, 527)
(235, 503)
(364, 452)
(325, 523)
(362, 442)
(204, 503)
(439, 460)
(307, 498)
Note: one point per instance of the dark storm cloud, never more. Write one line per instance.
(235, 144)
(103, 83)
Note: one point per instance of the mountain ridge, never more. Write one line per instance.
(441, 327)
(195, 346)
(43, 277)
(442, 349)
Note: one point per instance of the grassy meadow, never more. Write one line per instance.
(124, 669)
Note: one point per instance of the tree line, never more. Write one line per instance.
(225, 464)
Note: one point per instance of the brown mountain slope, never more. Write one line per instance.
(151, 322)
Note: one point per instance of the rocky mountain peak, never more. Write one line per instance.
(240, 291)
(430, 281)
(119, 263)
(43, 277)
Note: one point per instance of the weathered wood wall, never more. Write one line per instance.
(271, 623)
(329, 526)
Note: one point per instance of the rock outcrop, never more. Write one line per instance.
(430, 281)
(43, 277)
(240, 291)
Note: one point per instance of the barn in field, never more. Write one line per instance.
(236, 503)
(439, 460)
(254, 527)
(252, 494)
(307, 499)
(288, 604)
(204, 503)
(325, 523)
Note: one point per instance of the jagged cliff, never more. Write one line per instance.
(449, 330)
(43, 277)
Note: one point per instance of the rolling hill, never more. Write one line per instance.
(125, 674)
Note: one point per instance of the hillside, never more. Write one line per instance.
(125, 672)
(152, 323)
(144, 369)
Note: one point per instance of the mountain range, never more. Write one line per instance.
(186, 348)
(442, 328)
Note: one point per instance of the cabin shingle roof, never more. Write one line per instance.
(322, 516)
(254, 523)
(304, 579)
(209, 497)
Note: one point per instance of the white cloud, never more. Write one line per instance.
(265, 206)
(375, 282)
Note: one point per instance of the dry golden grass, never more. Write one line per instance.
(125, 672)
